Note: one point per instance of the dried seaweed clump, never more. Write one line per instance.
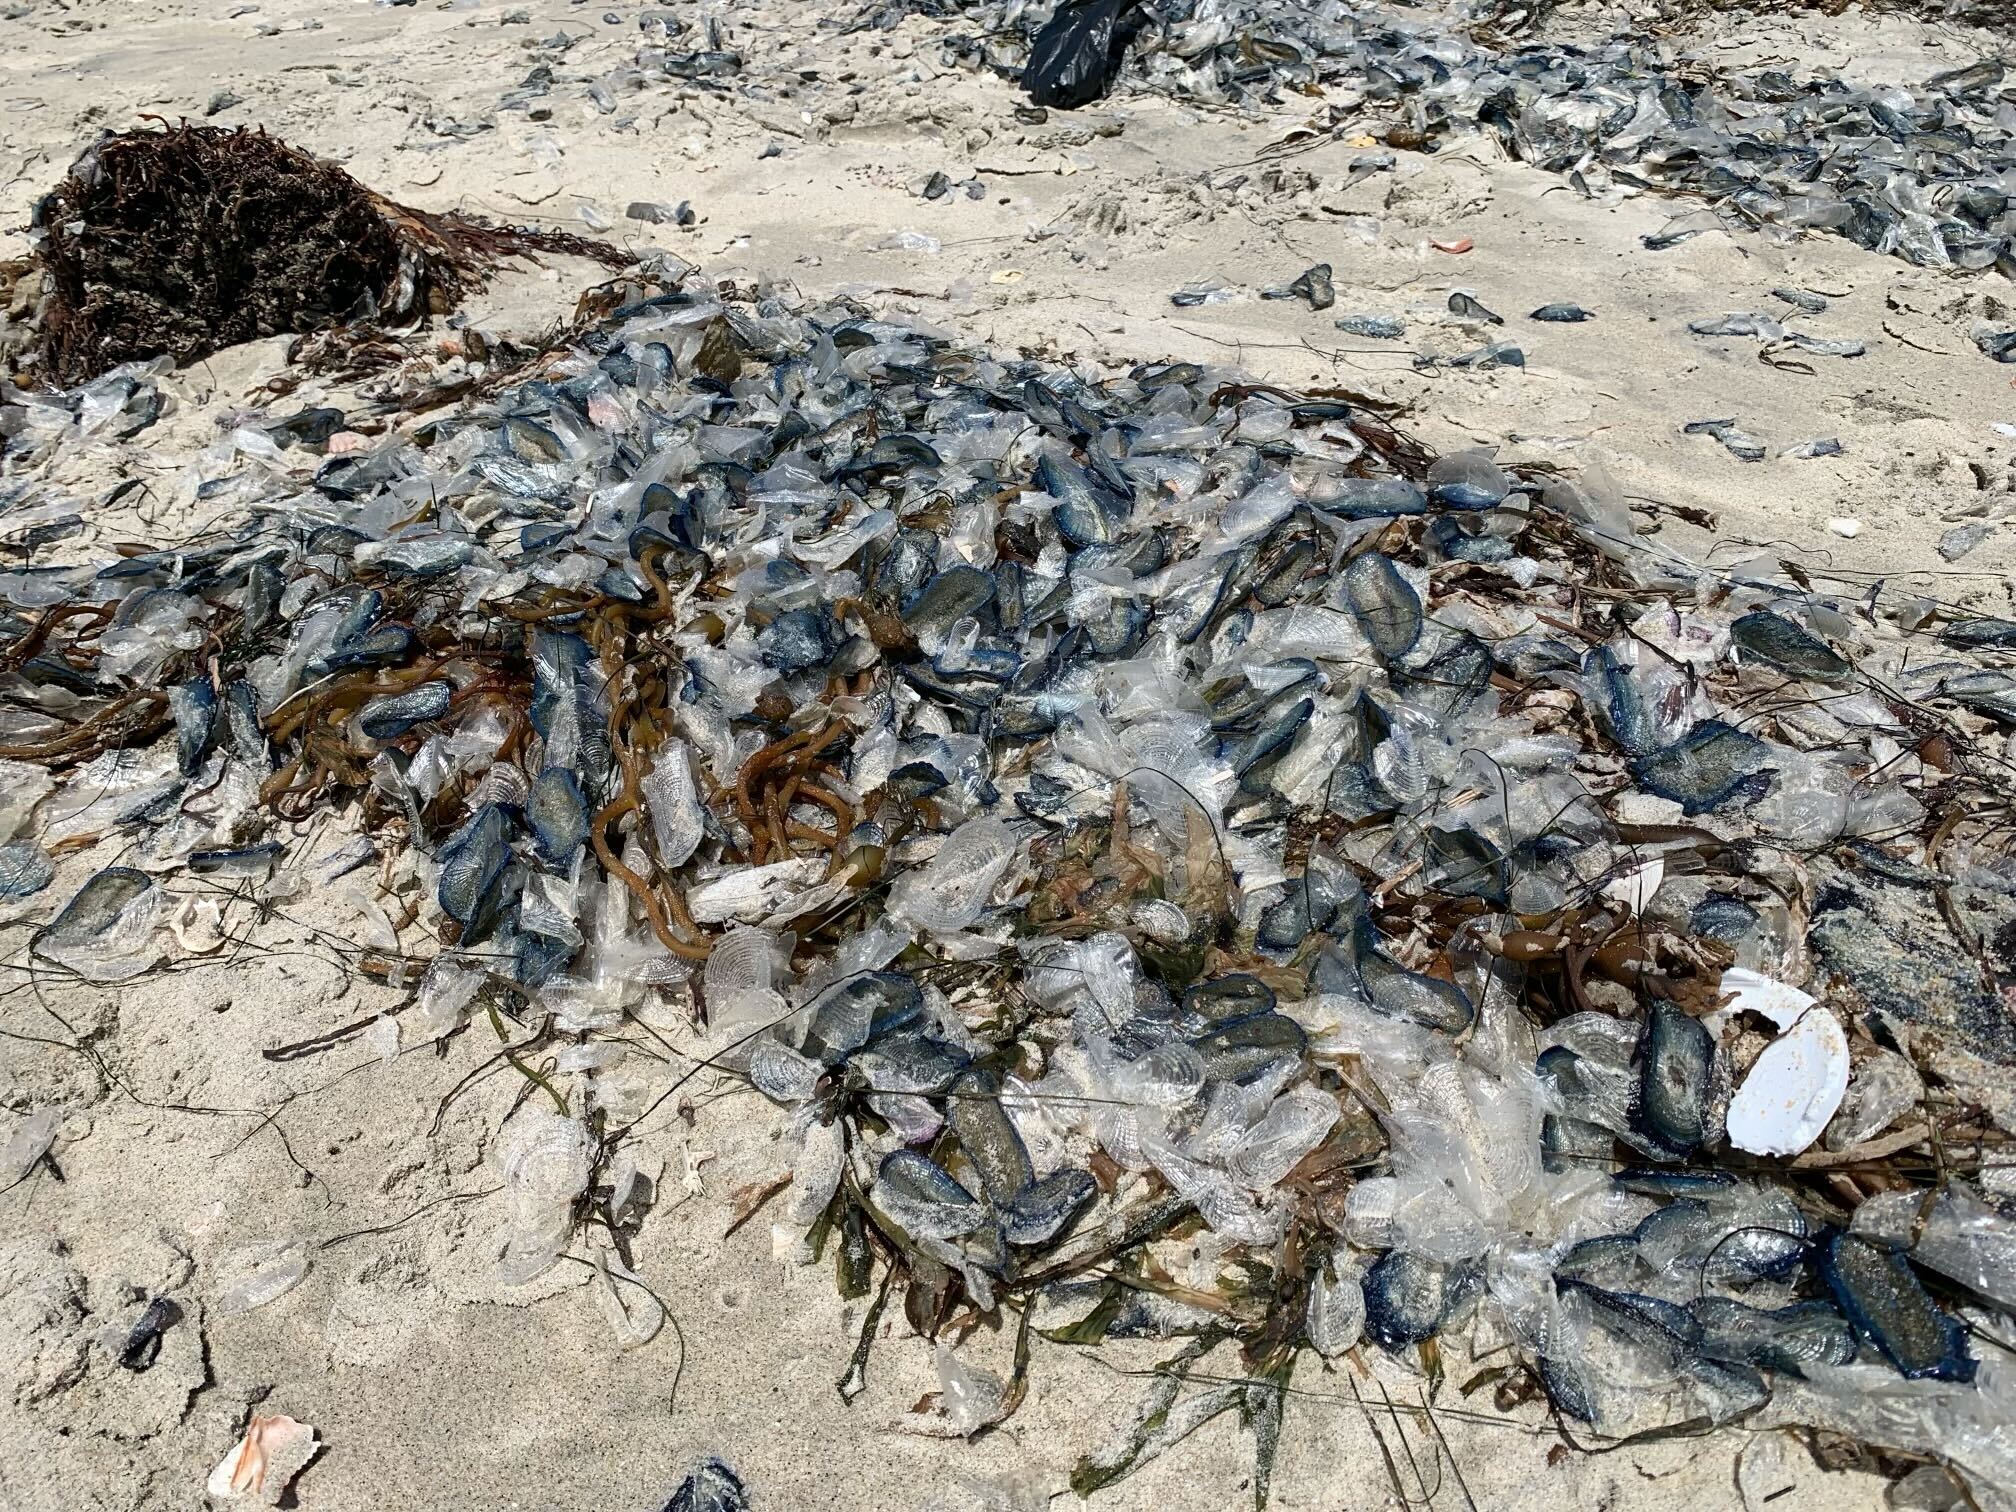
(187, 240)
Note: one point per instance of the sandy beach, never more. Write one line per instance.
(187, 1132)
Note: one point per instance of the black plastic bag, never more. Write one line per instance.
(1075, 57)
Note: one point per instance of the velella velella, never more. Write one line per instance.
(1093, 812)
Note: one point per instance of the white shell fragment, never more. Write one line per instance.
(1795, 1086)
(1752, 992)
(1634, 889)
(197, 925)
(263, 1463)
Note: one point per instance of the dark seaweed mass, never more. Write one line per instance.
(187, 241)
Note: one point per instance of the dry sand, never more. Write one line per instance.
(433, 1386)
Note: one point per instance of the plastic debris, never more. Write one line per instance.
(1072, 60)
